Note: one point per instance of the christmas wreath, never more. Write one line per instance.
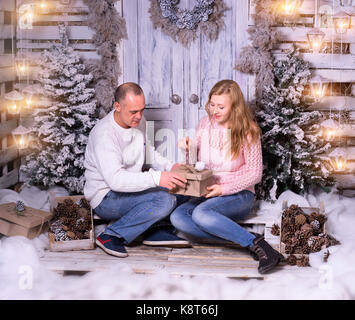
(182, 24)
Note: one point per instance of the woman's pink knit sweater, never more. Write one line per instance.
(213, 148)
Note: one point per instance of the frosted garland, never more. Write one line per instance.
(182, 25)
(110, 29)
(186, 18)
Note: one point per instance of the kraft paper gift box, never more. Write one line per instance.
(28, 223)
(197, 181)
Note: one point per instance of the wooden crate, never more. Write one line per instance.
(69, 245)
(307, 211)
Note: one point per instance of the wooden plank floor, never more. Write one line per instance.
(199, 260)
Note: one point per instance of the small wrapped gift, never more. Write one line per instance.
(197, 181)
(17, 219)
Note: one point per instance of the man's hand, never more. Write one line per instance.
(176, 166)
(171, 180)
(214, 191)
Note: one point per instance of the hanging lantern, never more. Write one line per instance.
(22, 67)
(341, 22)
(330, 129)
(315, 39)
(30, 91)
(319, 87)
(14, 97)
(338, 159)
(20, 135)
(290, 7)
(43, 6)
(25, 20)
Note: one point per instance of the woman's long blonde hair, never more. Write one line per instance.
(244, 128)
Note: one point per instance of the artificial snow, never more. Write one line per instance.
(19, 259)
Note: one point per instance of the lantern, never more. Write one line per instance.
(290, 7)
(25, 16)
(341, 22)
(315, 39)
(330, 129)
(318, 87)
(22, 67)
(43, 6)
(20, 135)
(30, 91)
(14, 97)
(338, 159)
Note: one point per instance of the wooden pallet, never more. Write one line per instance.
(198, 260)
(223, 260)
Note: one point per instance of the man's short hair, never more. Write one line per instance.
(123, 89)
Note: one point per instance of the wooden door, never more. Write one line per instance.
(166, 70)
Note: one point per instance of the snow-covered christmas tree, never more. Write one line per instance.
(292, 138)
(61, 128)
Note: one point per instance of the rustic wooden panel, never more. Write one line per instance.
(7, 5)
(334, 75)
(300, 34)
(10, 179)
(199, 260)
(6, 127)
(6, 60)
(325, 61)
(28, 44)
(337, 103)
(7, 74)
(346, 181)
(52, 33)
(5, 31)
(8, 155)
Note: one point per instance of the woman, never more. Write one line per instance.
(228, 142)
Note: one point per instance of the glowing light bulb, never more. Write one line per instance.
(330, 134)
(288, 8)
(28, 103)
(21, 142)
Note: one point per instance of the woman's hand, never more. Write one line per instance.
(214, 191)
(183, 143)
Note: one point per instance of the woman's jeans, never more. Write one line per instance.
(214, 218)
(134, 212)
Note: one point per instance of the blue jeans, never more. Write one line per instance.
(213, 218)
(134, 212)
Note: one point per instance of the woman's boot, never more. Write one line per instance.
(268, 257)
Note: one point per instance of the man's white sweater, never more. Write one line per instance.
(114, 158)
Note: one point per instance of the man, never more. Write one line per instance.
(115, 185)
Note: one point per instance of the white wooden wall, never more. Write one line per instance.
(8, 153)
(337, 68)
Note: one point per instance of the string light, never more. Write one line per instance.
(290, 7)
(315, 39)
(318, 87)
(342, 22)
(20, 135)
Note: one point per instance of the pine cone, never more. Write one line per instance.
(275, 230)
(300, 219)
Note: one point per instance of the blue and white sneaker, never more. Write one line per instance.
(164, 237)
(111, 245)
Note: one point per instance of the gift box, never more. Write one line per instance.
(197, 181)
(28, 223)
